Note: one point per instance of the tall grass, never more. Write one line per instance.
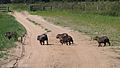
(8, 23)
(17, 7)
(100, 7)
(91, 24)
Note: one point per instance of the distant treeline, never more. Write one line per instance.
(35, 1)
(103, 8)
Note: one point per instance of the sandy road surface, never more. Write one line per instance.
(83, 54)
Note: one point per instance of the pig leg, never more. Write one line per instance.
(104, 44)
(109, 43)
(99, 45)
(41, 42)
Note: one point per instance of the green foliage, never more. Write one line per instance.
(104, 8)
(100, 7)
(17, 1)
(115, 10)
(8, 23)
(18, 7)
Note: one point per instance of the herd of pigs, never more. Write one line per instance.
(64, 38)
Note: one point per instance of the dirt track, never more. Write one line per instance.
(83, 54)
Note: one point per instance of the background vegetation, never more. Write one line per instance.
(34, 1)
(101, 7)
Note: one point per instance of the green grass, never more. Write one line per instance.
(8, 23)
(91, 24)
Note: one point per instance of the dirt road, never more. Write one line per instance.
(83, 54)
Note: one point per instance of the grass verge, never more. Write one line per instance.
(8, 23)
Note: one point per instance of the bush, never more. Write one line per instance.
(115, 10)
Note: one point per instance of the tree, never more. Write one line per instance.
(4, 1)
